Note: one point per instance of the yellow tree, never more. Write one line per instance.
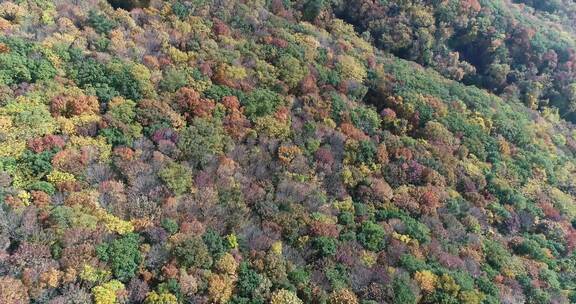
(426, 279)
(343, 296)
(284, 296)
(107, 292)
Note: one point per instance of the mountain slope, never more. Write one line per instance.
(265, 152)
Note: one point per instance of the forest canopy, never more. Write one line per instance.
(287, 151)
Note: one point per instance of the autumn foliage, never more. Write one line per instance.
(287, 152)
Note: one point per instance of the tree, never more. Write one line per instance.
(227, 264)
(427, 280)
(12, 291)
(170, 225)
(25, 62)
(350, 68)
(402, 291)
(248, 281)
(220, 287)
(366, 119)
(123, 255)
(193, 252)
(173, 79)
(177, 177)
(261, 102)
(291, 70)
(284, 296)
(214, 242)
(343, 296)
(160, 298)
(472, 297)
(202, 140)
(324, 246)
(106, 293)
(371, 236)
(121, 116)
(71, 105)
(367, 152)
(189, 102)
(312, 9)
(100, 22)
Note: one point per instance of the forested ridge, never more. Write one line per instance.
(285, 152)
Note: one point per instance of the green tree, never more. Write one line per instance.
(367, 151)
(371, 236)
(24, 62)
(123, 256)
(202, 140)
(173, 79)
(248, 281)
(366, 119)
(324, 246)
(215, 243)
(260, 102)
(193, 252)
(170, 225)
(177, 177)
(100, 22)
(291, 70)
(312, 9)
(402, 291)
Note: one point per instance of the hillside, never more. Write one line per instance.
(284, 152)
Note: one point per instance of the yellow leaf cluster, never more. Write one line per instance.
(24, 196)
(284, 296)
(368, 258)
(227, 264)
(273, 127)
(343, 296)
(68, 125)
(57, 177)
(99, 142)
(310, 45)
(471, 297)
(106, 293)
(232, 240)
(160, 298)
(449, 285)
(426, 279)
(177, 55)
(220, 288)
(92, 274)
(345, 205)
(233, 72)
(113, 223)
(276, 248)
(401, 237)
(350, 68)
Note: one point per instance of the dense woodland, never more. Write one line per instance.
(287, 151)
